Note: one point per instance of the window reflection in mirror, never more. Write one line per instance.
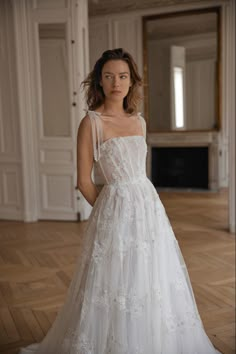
(186, 98)
(54, 80)
(178, 98)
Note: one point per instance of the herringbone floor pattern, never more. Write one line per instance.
(37, 262)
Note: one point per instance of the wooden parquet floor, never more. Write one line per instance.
(37, 262)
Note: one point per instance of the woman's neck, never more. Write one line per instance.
(114, 109)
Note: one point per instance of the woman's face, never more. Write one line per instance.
(115, 80)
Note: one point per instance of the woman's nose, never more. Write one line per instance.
(116, 81)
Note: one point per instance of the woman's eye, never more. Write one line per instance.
(123, 77)
(108, 77)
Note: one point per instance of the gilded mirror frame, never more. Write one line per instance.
(218, 104)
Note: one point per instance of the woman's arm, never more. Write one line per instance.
(85, 161)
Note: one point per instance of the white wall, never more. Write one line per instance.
(113, 32)
(11, 198)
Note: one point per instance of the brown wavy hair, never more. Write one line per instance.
(94, 93)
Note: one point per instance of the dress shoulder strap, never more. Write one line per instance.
(143, 123)
(97, 133)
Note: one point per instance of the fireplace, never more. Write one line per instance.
(180, 167)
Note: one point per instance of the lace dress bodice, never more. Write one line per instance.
(120, 159)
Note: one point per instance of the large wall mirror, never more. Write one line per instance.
(182, 71)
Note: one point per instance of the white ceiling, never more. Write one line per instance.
(179, 26)
(103, 7)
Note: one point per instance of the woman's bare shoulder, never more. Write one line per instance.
(85, 125)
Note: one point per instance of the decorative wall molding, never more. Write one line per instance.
(11, 192)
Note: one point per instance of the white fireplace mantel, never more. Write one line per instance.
(172, 139)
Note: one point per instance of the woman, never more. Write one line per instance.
(130, 293)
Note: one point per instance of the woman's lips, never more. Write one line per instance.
(116, 91)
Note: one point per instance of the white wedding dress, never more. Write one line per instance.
(130, 293)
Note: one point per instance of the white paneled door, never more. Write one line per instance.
(55, 123)
(53, 39)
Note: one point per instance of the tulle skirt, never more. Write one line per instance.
(130, 292)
